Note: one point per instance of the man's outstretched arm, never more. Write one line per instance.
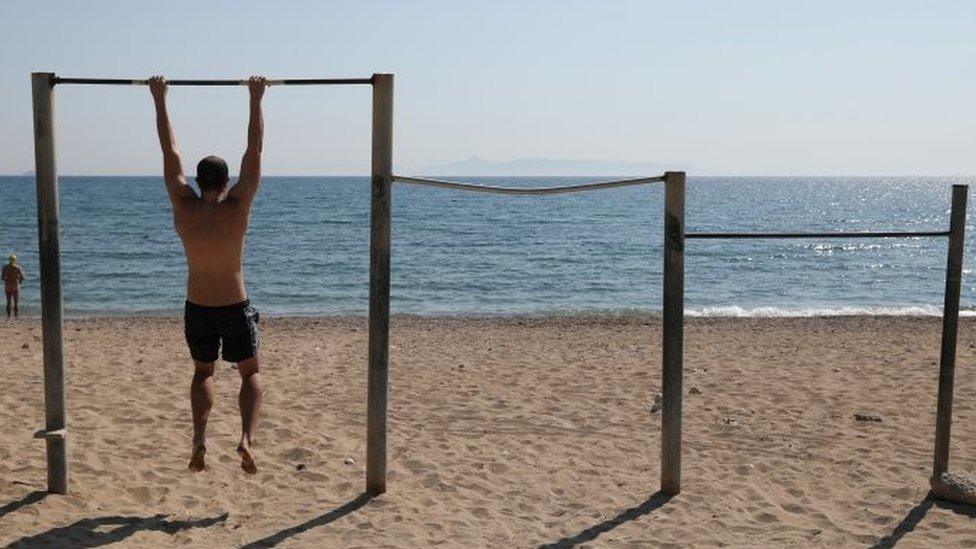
(250, 177)
(176, 185)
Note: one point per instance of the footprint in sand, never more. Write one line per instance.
(283, 432)
(297, 454)
(141, 494)
(794, 508)
(414, 466)
(498, 468)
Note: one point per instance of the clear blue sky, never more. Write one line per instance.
(746, 87)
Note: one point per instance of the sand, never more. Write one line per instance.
(520, 432)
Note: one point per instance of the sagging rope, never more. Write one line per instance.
(525, 191)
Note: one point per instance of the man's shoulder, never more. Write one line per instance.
(186, 197)
(233, 206)
(227, 209)
(233, 201)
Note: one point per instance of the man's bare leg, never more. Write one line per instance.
(201, 400)
(8, 304)
(249, 401)
(16, 305)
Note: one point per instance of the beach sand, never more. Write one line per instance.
(518, 432)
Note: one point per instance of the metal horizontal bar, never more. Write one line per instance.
(876, 234)
(225, 82)
(525, 191)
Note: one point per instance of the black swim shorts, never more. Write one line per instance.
(233, 327)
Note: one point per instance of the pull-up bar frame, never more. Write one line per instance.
(943, 483)
(55, 432)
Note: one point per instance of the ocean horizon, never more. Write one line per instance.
(469, 254)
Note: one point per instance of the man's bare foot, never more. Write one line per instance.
(247, 459)
(197, 463)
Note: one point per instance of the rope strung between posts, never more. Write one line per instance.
(526, 191)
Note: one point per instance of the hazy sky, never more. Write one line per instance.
(745, 87)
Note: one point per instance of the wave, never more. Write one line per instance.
(786, 312)
(273, 308)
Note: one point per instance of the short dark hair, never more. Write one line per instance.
(212, 173)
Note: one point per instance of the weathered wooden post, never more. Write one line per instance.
(49, 243)
(673, 313)
(950, 324)
(379, 283)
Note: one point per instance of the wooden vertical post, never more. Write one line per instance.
(950, 325)
(379, 283)
(673, 330)
(49, 243)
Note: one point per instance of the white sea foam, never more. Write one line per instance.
(781, 312)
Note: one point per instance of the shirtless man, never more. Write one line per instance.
(212, 227)
(12, 276)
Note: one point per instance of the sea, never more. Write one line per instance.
(458, 253)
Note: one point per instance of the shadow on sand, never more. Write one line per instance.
(32, 497)
(915, 516)
(656, 501)
(95, 532)
(322, 520)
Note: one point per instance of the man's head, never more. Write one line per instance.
(12, 259)
(212, 177)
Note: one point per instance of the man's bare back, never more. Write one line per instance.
(213, 239)
(218, 317)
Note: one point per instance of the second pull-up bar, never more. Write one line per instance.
(218, 82)
(854, 234)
